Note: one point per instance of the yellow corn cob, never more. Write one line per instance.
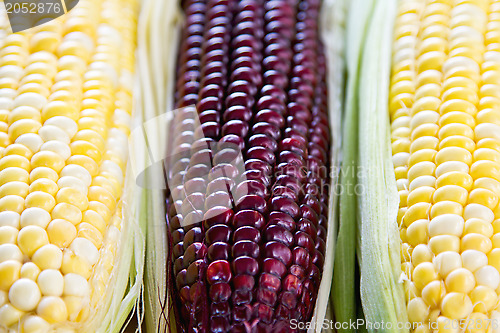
(445, 126)
(65, 106)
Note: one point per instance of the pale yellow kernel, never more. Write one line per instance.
(451, 193)
(460, 280)
(40, 199)
(488, 143)
(9, 272)
(30, 271)
(421, 253)
(456, 305)
(101, 209)
(43, 172)
(457, 178)
(67, 212)
(427, 103)
(446, 207)
(426, 142)
(483, 299)
(75, 264)
(14, 188)
(426, 168)
(420, 194)
(483, 197)
(478, 226)
(458, 141)
(44, 185)
(48, 159)
(48, 257)
(433, 293)
(446, 224)
(96, 220)
(442, 243)
(61, 232)
(88, 231)
(86, 162)
(9, 315)
(423, 274)
(424, 130)
(23, 126)
(13, 203)
(418, 311)
(475, 242)
(72, 196)
(458, 105)
(421, 156)
(416, 212)
(52, 309)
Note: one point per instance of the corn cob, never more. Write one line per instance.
(65, 108)
(444, 131)
(248, 170)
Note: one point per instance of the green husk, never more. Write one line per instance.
(332, 33)
(158, 34)
(344, 285)
(382, 292)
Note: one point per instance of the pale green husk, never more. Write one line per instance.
(344, 285)
(382, 292)
(157, 50)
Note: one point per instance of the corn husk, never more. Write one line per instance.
(344, 285)
(382, 292)
(159, 28)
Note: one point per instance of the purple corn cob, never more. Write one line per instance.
(248, 169)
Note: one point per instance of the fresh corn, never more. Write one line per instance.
(248, 168)
(443, 108)
(65, 110)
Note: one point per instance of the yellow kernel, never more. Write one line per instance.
(61, 232)
(457, 178)
(45, 185)
(424, 130)
(483, 298)
(23, 126)
(478, 226)
(421, 253)
(424, 273)
(13, 174)
(9, 273)
(483, 197)
(433, 292)
(14, 188)
(418, 311)
(421, 169)
(48, 159)
(476, 242)
(95, 220)
(443, 243)
(13, 203)
(52, 309)
(72, 196)
(458, 141)
(86, 162)
(426, 142)
(488, 116)
(483, 168)
(67, 212)
(420, 194)
(40, 199)
(100, 194)
(88, 231)
(456, 305)
(416, 212)
(75, 264)
(460, 280)
(446, 207)
(458, 105)
(31, 238)
(459, 117)
(451, 193)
